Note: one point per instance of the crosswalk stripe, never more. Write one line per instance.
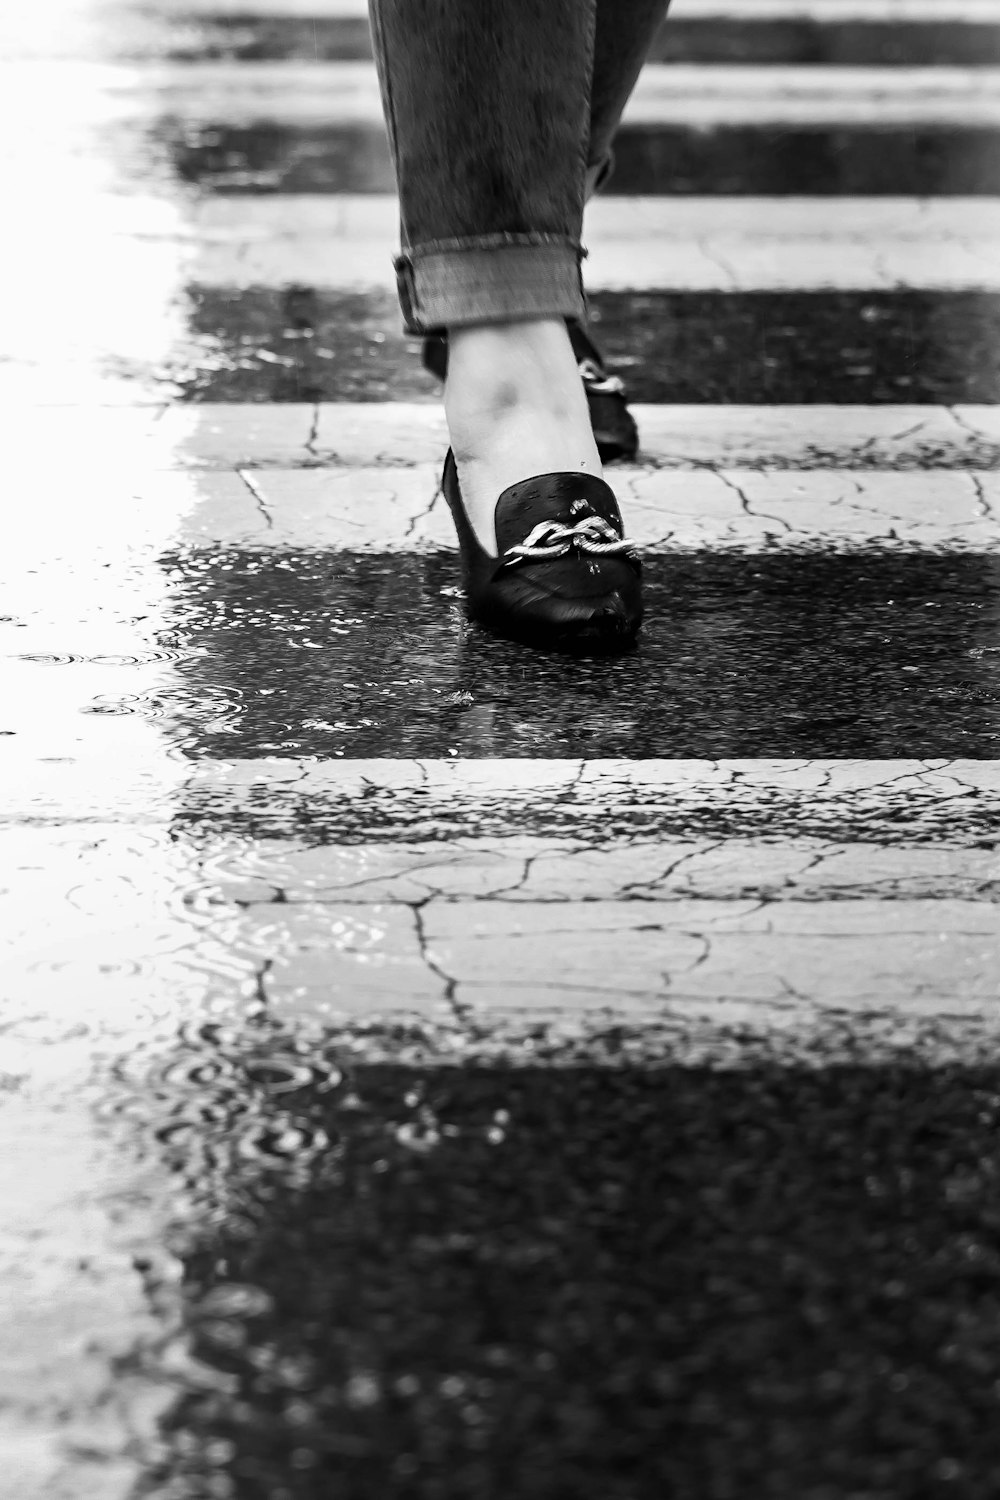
(700, 97)
(839, 33)
(138, 440)
(734, 885)
(366, 216)
(893, 802)
(953, 11)
(943, 803)
(760, 892)
(510, 928)
(835, 12)
(692, 96)
(397, 510)
(360, 507)
(923, 958)
(686, 243)
(681, 436)
(526, 868)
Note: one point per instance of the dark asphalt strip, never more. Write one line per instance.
(730, 40)
(319, 654)
(831, 42)
(759, 348)
(537, 1283)
(762, 159)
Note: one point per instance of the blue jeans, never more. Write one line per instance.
(500, 116)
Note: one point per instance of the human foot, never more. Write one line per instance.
(515, 408)
(612, 423)
(566, 577)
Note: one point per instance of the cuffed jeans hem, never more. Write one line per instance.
(473, 283)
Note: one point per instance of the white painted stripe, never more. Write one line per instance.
(556, 870)
(672, 436)
(581, 924)
(826, 11)
(870, 801)
(446, 931)
(753, 794)
(321, 9)
(134, 440)
(367, 216)
(574, 925)
(626, 961)
(395, 510)
(399, 510)
(346, 93)
(921, 957)
(834, 12)
(684, 244)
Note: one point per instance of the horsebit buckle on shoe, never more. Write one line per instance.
(598, 382)
(591, 535)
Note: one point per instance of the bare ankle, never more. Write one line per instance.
(503, 372)
(512, 355)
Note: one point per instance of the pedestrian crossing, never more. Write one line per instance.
(304, 821)
(261, 463)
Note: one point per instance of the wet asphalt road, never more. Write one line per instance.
(753, 347)
(271, 158)
(784, 656)
(581, 1280)
(271, 1238)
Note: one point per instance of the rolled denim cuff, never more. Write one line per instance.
(488, 280)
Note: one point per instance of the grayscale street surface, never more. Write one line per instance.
(432, 1070)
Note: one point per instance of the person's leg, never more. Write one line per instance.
(624, 32)
(488, 110)
(538, 368)
(488, 107)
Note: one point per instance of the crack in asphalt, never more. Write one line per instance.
(422, 515)
(979, 487)
(449, 981)
(313, 434)
(258, 498)
(716, 258)
(746, 505)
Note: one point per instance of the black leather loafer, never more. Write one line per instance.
(565, 577)
(614, 427)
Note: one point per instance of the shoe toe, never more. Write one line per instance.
(569, 603)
